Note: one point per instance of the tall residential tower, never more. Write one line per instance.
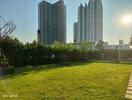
(90, 22)
(51, 22)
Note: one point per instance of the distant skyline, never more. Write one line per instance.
(25, 15)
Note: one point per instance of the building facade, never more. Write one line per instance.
(90, 22)
(51, 22)
(75, 31)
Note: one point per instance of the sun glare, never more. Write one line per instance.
(127, 19)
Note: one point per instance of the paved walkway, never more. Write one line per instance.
(129, 89)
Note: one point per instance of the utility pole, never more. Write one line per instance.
(119, 49)
(119, 53)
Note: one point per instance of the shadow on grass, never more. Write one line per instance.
(26, 70)
(39, 68)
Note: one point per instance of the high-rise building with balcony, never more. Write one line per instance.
(51, 22)
(90, 22)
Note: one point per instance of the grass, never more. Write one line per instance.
(84, 81)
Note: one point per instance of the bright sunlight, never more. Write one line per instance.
(127, 19)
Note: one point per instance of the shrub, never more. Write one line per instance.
(20, 54)
(7, 70)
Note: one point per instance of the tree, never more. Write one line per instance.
(6, 28)
(100, 45)
(131, 41)
(85, 46)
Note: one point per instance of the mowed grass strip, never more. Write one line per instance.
(88, 81)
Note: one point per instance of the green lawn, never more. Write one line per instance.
(85, 81)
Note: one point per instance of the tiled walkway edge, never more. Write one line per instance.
(128, 94)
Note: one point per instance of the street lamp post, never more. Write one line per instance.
(119, 49)
(119, 53)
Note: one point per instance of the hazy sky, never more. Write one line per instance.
(25, 16)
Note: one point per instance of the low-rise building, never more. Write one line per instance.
(119, 46)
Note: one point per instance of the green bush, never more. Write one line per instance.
(7, 70)
(19, 54)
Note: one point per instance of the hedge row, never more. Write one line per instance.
(19, 54)
(114, 54)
